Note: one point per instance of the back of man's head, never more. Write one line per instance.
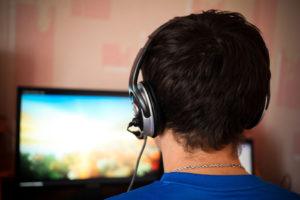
(210, 74)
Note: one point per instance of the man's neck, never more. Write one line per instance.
(175, 156)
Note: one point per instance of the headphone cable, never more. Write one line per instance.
(137, 164)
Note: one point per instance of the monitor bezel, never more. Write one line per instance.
(251, 143)
(92, 181)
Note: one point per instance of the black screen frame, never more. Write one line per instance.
(249, 141)
(92, 181)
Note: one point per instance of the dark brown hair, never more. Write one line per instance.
(210, 73)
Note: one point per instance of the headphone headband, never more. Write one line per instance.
(138, 62)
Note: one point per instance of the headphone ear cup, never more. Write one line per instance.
(154, 106)
(143, 101)
(255, 120)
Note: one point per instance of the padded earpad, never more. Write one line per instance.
(141, 101)
(252, 122)
(255, 120)
(154, 106)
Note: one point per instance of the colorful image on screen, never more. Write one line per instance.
(79, 137)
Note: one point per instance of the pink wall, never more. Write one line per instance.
(92, 43)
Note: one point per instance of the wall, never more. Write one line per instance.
(92, 43)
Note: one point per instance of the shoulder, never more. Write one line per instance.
(147, 192)
(276, 192)
(255, 188)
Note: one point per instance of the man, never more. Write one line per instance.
(210, 75)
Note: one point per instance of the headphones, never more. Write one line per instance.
(146, 109)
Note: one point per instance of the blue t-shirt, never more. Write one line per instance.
(207, 187)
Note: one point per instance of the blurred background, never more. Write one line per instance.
(91, 44)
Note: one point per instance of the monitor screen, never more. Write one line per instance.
(66, 135)
(246, 156)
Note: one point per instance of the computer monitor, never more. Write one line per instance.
(73, 136)
(246, 156)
